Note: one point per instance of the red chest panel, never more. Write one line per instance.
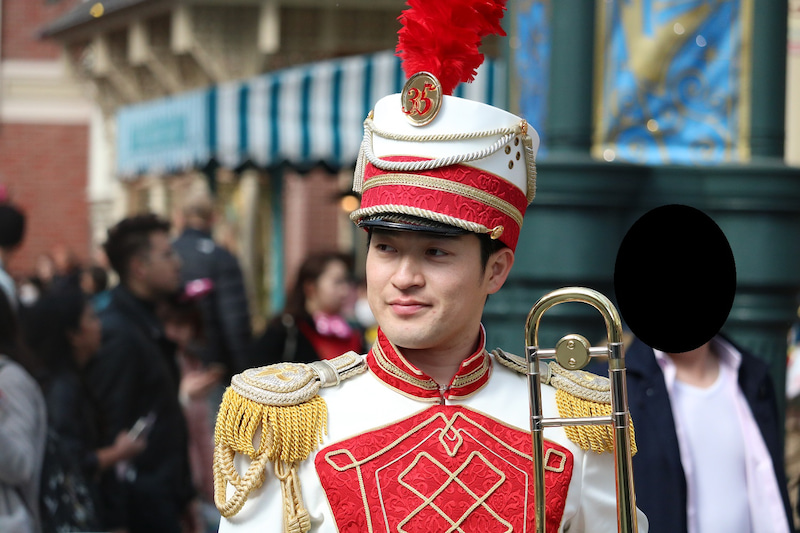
(445, 469)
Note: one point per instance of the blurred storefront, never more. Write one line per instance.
(260, 102)
(638, 103)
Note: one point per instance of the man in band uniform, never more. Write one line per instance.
(428, 431)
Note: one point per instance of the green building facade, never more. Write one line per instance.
(585, 205)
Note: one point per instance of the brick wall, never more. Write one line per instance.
(310, 217)
(45, 168)
(22, 21)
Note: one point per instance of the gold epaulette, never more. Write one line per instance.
(578, 394)
(281, 402)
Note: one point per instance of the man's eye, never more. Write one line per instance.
(383, 247)
(436, 252)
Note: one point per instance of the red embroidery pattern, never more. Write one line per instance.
(465, 175)
(445, 469)
(448, 203)
(393, 369)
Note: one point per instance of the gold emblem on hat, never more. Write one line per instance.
(422, 98)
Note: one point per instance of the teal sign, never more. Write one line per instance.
(167, 135)
(159, 134)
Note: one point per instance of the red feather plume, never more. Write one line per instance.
(443, 36)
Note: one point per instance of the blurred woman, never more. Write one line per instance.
(183, 325)
(312, 326)
(65, 334)
(22, 431)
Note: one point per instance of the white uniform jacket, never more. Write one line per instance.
(401, 455)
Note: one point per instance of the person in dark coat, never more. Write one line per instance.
(663, 485)
(226, 316)
(311, 326)
(64, 333)
(135, 381)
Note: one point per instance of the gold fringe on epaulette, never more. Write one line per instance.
(595, 437)
(288, 436)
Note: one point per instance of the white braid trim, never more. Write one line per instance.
(366, 153)
(581, 384)
(428, 164)
(297, 382)
(370, 125)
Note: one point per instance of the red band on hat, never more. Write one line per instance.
(459, 191)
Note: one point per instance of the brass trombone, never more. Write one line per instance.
(573, 352)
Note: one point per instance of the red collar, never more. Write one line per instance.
(389, 365)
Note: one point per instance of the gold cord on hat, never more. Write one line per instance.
(507, 134)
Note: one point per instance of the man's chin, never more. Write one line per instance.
(408, 340)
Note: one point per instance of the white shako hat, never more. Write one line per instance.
(437, 163)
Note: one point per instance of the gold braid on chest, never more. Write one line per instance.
(273, 414)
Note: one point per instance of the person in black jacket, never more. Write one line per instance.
(226, 315)
(135, 381)
(672, 469)
(64, 333)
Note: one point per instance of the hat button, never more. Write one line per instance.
(496, 232)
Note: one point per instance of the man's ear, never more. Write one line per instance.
(498, 267)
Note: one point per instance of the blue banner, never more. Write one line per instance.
(530, 48)
(673, 82)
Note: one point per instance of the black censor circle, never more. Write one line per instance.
(675, 278)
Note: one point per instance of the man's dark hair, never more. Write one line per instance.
(12, 226)
(131, 237)
(488, 247)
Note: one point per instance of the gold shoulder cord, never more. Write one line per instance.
(578, 394)
(281, 402)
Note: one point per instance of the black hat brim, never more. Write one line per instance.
(406, 223)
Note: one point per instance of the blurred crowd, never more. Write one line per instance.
(111, 376)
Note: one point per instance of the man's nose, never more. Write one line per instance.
(408, 273)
